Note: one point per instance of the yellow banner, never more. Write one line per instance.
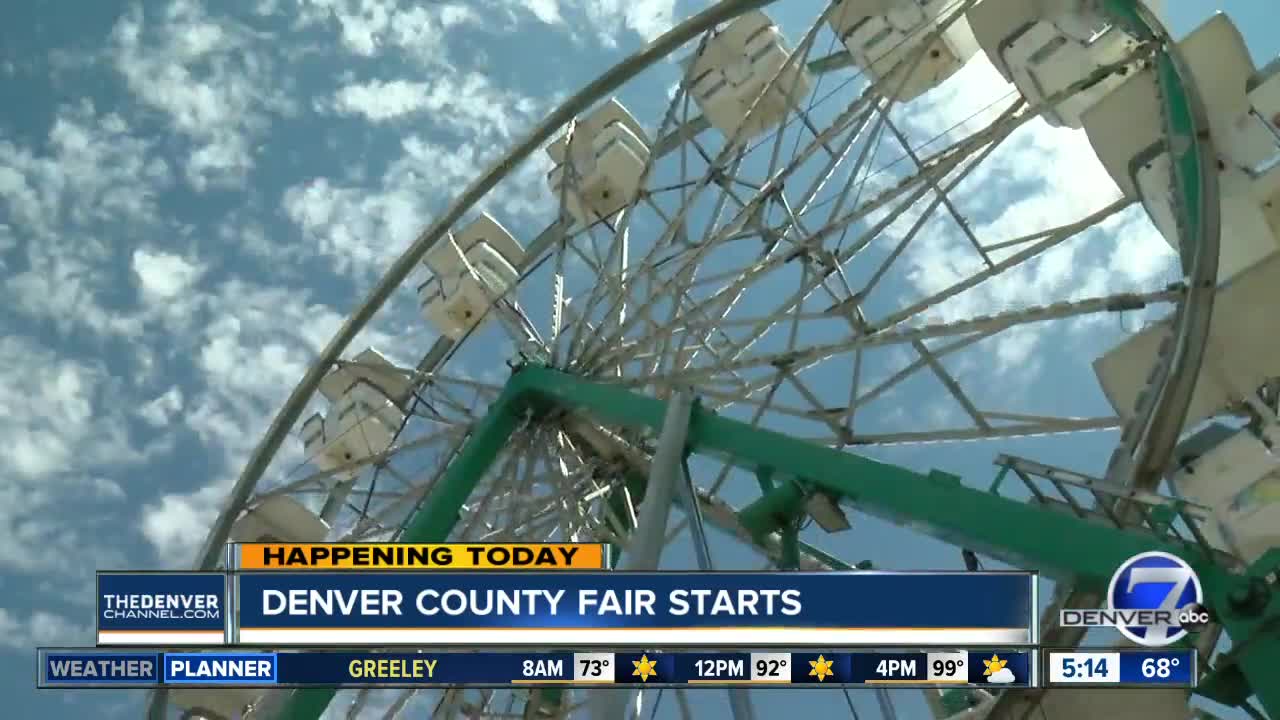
(413, 556)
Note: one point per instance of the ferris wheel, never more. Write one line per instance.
(789, 261)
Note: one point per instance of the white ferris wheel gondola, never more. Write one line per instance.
(470, 270)
(886, 39)
(1042, 51)
(736, 66)
(599, 166)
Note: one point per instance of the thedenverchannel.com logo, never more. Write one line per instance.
(1154, 599)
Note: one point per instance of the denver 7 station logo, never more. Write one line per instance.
(1154, 600)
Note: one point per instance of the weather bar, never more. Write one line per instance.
(98, 668)
(1130, 667)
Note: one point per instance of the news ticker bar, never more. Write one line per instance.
(96, 668)
(575, 609)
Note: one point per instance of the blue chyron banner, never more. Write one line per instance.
(589, 609)
(161, 608)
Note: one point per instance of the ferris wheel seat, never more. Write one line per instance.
(598, 170)
(576, 147)
(1248, 233)
(364, 402)
(456, 305)
(1265, 191)
(1124, 124)
(215, 703)
(470, 270)
(605, 181)
(279, 518)
(484, 231)
(1260, 149)
(1221, 68)
(312, 427)
(1264, 91)
(1235, 97)
(885, 37)
(371, 366)
(1242, 351)
(1150, 172)
(1250, 220)
(1222, 468)
(363, 423)
(734, 68)
(1045, 55)
(1249, 215)
(1224, 71)
(1238, 478)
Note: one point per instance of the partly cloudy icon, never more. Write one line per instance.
(1003, 675)
(996, 671)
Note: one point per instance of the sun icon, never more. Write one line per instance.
(645, 668)
(821, 668)
(994, 665)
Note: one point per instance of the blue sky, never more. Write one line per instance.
(194, 194)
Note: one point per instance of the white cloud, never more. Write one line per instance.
(547, 11)
(362, 23)
(210, 77)
(377, 100)
(97, 169)
(176, 526)
(648, 18)
(352, 226)
(452, 14)
(163, 275)
(97, 176)
(98, 181)
(57, 421)
(1003, 675)
(40, 542)
(41, 629)
(64, 427)
(466, 103)
(369, 26)
(359, 227)
(105, 489)
(162, 409)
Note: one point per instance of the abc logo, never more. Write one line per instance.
(1194, 618)
(1163, 583)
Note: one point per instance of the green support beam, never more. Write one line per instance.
(435, 521)
(775, 511)
(937, 500)
(938, 504)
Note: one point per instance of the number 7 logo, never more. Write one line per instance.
(1154, 569)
